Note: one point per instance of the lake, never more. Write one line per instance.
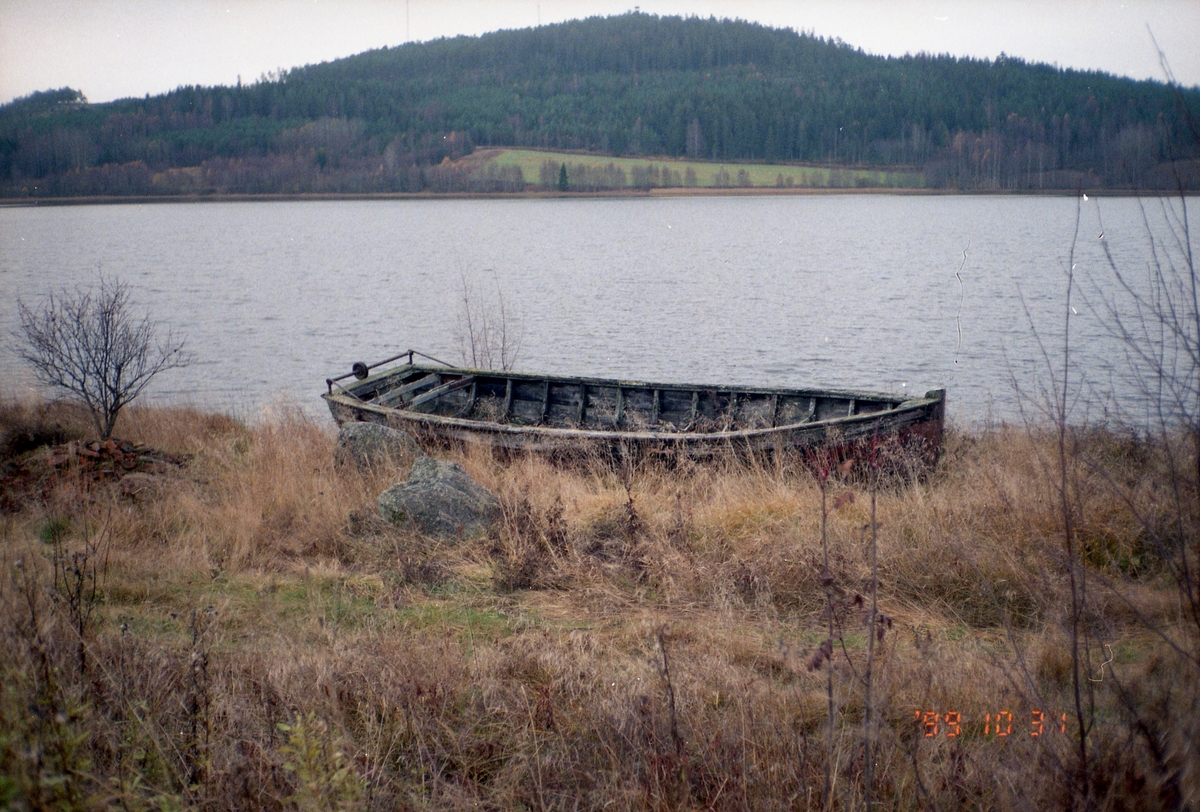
(848, 290)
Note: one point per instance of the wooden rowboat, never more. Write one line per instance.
(439, 402)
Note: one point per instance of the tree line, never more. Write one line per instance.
(631, 85)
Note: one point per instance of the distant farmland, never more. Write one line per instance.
(593, 172)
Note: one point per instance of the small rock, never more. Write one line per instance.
(440, 499)
(369, 445)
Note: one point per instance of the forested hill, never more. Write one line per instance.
(633, 85)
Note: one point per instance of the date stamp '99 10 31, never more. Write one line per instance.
(992, 725)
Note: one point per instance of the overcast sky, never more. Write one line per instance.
(118, 48)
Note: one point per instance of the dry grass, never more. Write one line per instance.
(629, 636)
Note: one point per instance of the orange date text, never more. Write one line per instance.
(992, 724)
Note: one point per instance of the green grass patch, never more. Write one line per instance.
(708, 175)
(54, 530)
(468, 622)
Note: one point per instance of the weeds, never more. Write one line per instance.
(628, 636)
(326, 779)
(78, 578)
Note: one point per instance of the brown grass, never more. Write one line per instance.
(629, 636)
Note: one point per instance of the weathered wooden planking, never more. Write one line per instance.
(440, 392)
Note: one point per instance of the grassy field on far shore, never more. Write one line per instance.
(233, 626)
(706, 172)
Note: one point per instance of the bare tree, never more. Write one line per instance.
(489, 332)
(92, 344)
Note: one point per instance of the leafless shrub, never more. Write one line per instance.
(489, 331)
(91, 344)
(531, 546)
(1157, 320)
(79, 579)
(1145, 519)
(821, 461)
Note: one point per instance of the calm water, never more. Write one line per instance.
(844, 290)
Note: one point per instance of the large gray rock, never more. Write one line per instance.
(440, 499)
(371, 445)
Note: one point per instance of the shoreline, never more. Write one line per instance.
(666, 192)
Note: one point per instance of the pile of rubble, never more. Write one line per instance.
(114, 456)
(84, 464)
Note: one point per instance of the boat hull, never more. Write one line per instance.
(566, 415)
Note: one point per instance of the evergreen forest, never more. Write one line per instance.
(425, 116)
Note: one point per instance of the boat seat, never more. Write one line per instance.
(403, 394)
(438, 391)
